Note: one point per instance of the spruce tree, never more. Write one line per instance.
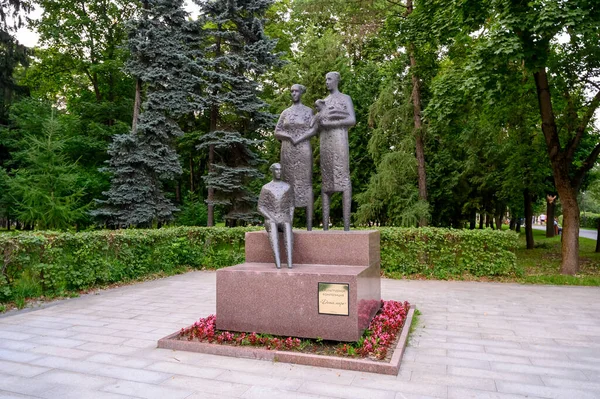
(238, 53)
(140, 162)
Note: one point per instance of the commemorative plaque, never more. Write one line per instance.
(333, 299)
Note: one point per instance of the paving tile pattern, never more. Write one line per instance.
(474, 340)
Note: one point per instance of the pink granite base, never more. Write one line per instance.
(257, 297)
(334, 247)
(371, 366)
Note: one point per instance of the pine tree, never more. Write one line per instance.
(140, 162)
(239, 52)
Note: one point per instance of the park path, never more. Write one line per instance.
(474, 340)
(587, 233)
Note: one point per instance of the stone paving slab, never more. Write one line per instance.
(473, 340)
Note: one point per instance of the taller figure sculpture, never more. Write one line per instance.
(335, 116)
(294, 129)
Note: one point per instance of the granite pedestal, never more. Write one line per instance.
(257, 297)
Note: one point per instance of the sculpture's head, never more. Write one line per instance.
(332, 80)
(297, 92)
(276, 171)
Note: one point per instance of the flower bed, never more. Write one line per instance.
(374, 344)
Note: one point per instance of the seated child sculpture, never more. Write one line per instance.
(276, 204)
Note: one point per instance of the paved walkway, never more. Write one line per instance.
(475, 340)
(587, 233)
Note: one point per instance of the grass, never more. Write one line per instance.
(415, 321)
(541, 265)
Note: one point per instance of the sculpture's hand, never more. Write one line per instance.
(282, 135)
(307, 135)
(265, 212)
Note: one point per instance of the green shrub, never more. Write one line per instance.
(56, 263)
(589, 220)
(49, 263)
(443, 253)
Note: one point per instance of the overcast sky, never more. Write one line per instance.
(30, 38)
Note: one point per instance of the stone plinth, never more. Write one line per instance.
(257, 297)
(351, 248)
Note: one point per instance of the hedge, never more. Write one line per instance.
(588, 220)
(51, 263)
(443, 253)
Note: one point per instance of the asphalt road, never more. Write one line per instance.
(593, 234)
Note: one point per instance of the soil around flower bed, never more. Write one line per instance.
(360, 356)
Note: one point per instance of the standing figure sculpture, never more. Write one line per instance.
(276, 204)
(335, 116)
(294, 129)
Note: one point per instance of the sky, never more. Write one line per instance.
(30, 39)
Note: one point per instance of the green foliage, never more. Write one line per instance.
(541, 265)
(588, 220)
(238, 54)
(47, 189)
(193, 213)
(51, 263)
(444, 253)
(56, 263)
(391, 198)
(142, 161)
(12, 53)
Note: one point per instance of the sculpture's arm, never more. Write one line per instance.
(292, 214)
(262, 209)
(265, 212)
(280, 133)
(348, 121)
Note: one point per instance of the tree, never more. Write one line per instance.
(84, 47)
(392, 197)
(417, 119)
(12, 54)
(79, 67)
(141, 161)
(239, 53)
(556, 43)
(48, 189)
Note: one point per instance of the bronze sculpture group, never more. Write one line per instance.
(291, 186)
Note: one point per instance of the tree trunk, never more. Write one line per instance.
(214, 116)
(211, 191)
(598, 235)
(570, 231)
(192, 174)
(550, 219)
(567, 190)
(513, 222)
(499, 221)
(418, 124)
(481, 216)
(528, 218)
(472, 220)
(136, 105)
